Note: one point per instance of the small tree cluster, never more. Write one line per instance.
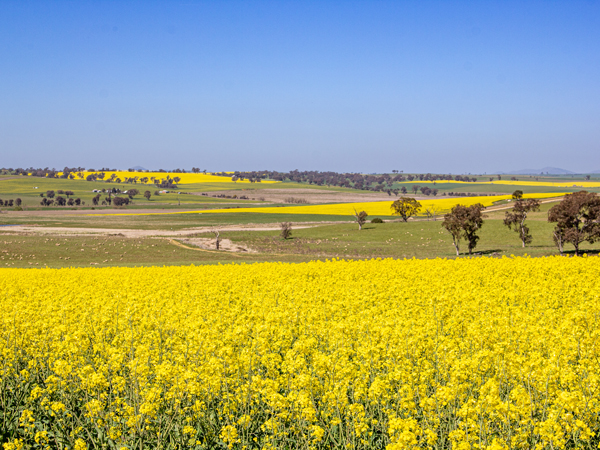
(121, 201)
(577, 219)
(61, 201)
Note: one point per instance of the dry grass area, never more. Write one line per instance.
(312, 196)
(137, 233)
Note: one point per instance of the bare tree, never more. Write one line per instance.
(217, 238)
(286, 230)
(431, 212)
(515, 218)
(361, 218)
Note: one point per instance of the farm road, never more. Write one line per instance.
(131, 233)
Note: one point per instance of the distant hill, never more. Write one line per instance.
(548, 170)
(138, 168)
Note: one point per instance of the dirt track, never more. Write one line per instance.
(310, 195)
(131, 233)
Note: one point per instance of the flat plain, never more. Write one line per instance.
(168, 230)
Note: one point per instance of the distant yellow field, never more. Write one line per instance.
(440, 205)
(562, 184)
(184, 178)
(376, 208)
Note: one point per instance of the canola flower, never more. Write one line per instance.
(381, 354)
(557, 184)
(381, 208)
(185, 178)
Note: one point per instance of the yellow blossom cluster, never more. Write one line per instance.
(389, 354)
(380, 208)
(185, 178)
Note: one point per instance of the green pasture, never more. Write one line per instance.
(418, 239)
(28, 189)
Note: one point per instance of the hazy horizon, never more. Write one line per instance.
(440, 87)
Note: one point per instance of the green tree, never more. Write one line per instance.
(405, 207)
(463, 222)
(361, 218)
(577, 219)
(515, 218)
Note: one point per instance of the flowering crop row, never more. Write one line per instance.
(185, 178)
(462, 354)
(382, 208)
(557, 184)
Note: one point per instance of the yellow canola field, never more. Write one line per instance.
(561, 184)
(383, 354)
(185, 178)
(440, 205)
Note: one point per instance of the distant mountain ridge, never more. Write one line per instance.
(545, 170)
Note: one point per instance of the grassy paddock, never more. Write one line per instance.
(414, 239)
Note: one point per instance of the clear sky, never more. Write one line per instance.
(347, 86)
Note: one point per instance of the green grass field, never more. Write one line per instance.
(28, 189)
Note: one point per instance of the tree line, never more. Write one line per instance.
(372, 182)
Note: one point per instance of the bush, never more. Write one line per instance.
(295, 200)
(377, 220)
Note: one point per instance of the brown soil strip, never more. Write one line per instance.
(132, 233)
(310, 196)
(179, 244)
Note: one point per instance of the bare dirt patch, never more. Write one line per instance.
(132, 233)
(224, 245)
(89, 212)
(309, 195)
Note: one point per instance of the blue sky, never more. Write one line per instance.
(346, 86)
